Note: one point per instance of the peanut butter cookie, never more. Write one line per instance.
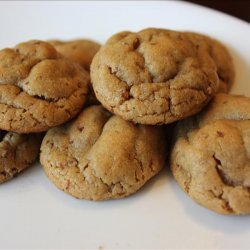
(17, 152)
(38, 89)
(210, 158)
(154, 76)
(99, 156)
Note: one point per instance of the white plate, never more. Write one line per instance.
(34, 214)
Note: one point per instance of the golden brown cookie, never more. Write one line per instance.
(154, 76)
(38, 89)
(221, 57)
(17, 152)
(82, 52)
(99, 156)
(210, 158)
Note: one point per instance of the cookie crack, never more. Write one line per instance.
(189, 88)
(83, 167)
(146, 65)
(226, 204)
(127, 96)
(2, 135)
(139, 162)
(43, 98)
(222, 174)
(3, 173)
(111, 186)
(136, 49)
(38, 120)
(24, 111)
(209, 90)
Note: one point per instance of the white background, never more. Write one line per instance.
(34, 214)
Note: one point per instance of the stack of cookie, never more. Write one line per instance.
(139, 83)
(39, 89)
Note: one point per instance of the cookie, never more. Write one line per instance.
(17, 152)
(99, 156)
(39, 89)
(221, 57)
(154, 76)
(81, 51)
(210, 158)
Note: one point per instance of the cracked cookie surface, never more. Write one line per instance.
(99, 156)
(154, 76)
(210, 157)
(17, 152)
(38, 88)
(221, 57)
